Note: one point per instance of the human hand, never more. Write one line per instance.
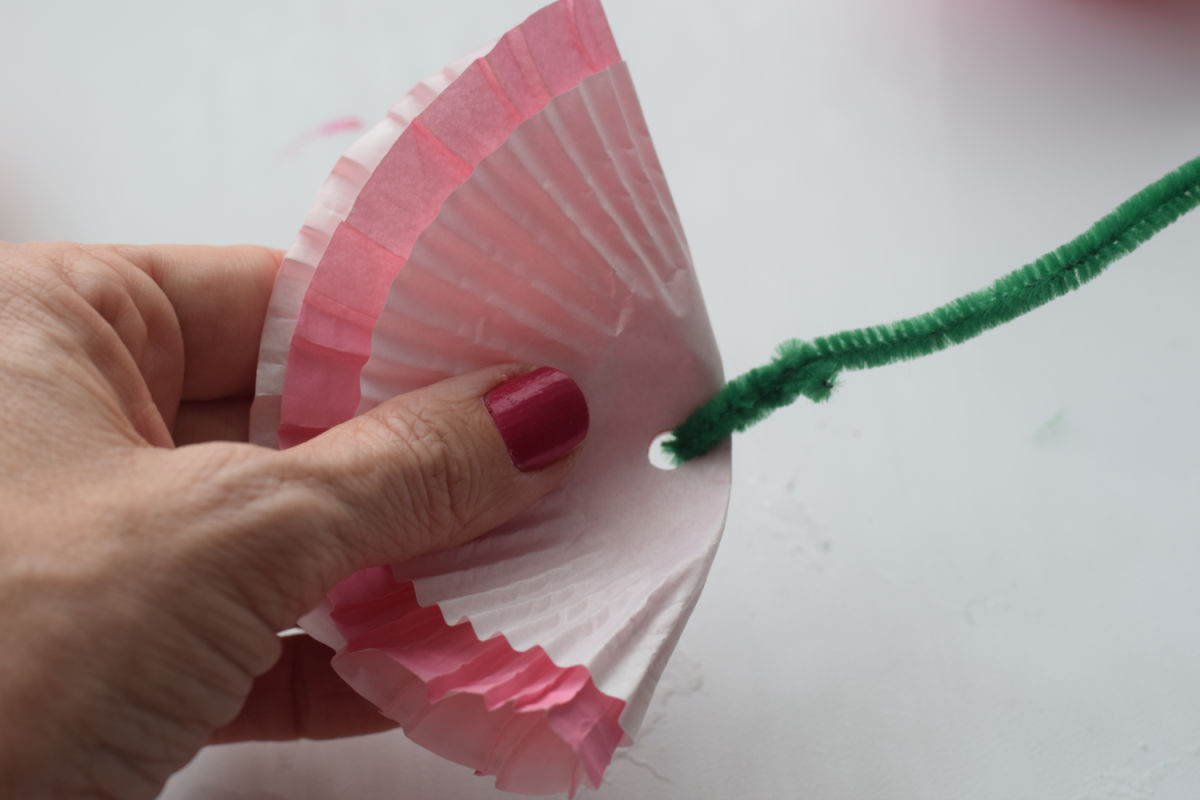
(148, 555)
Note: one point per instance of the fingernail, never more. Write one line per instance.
(542, 416)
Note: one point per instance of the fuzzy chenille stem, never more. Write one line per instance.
(810, 369)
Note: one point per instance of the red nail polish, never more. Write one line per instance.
(542, 416)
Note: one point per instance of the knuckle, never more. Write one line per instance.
(260, 532)
(436, 488)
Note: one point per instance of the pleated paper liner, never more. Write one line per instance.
(331, 207)
(539, 728)
(521, 221)
(592, 277)
(547, 54)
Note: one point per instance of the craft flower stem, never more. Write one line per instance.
(810, 369)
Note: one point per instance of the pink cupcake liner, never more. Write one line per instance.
(515, 211)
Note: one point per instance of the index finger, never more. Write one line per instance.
(220, 297)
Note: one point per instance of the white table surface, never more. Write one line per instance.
(974, 577)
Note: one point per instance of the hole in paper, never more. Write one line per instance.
(658, 456)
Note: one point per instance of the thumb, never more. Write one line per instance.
(437, 467)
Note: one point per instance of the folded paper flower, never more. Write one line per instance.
(512, 209)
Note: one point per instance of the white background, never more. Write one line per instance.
(972, 577)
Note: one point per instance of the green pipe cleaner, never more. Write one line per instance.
(810, 369)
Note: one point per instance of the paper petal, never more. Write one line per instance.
(522, 216)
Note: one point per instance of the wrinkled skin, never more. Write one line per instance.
(148, 555)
